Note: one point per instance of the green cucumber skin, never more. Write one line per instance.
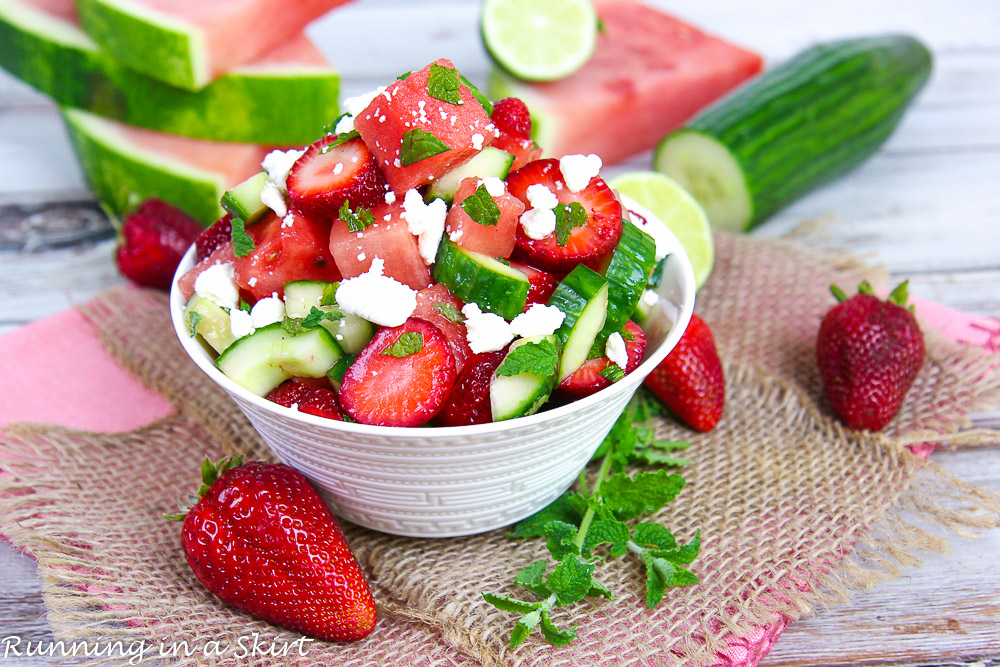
(469, 282)
(572, 295)
(243, 200)
(815, 117)
(239, 107)
(631, 264)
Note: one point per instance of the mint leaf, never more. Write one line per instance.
(449, 312)
(566, 508)
(538, 358)
(649, 534)
(357, 221)
(242, 243)
(481, 207)
(341, 139)
(245, 306)
(612, 372)
(193, 320)
(294, 326)
(568, 216)
(331, 127)
(524, 627)
(611, 532)
(683, 554)
(662, 574)
(409, 342)
(403, 76)
(442, 84)
(560, 539)
(599, 590)
(329, 296)
(505, 603)
(657, 458)
(571, 580)
(316, 316)
(485, 101)
(419, 145)
(533, 578)
(554, 635)
(646, 492)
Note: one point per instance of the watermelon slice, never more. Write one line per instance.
(495, 240)
(188, 43)
(125, 165)
(649, 73)
(44, 46)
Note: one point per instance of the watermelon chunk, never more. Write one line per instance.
(650, 72)
(433, 305)
(389, 238)
(293, 248)
(405, 107)
(44, 46)
(221, 255)
(493, 240)
(188, 43)
(125, 165)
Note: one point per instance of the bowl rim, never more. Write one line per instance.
(197, 353)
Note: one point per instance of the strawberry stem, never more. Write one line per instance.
(838, 293)
(900, 295)
(866, 288)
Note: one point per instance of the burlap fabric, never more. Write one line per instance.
(794, 510)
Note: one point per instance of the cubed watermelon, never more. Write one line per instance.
(221, 255)
(388, 238)
(439, 307)
(406, 111)
(494, 240)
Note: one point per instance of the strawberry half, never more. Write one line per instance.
(469, 402)
(543, 284)
(401, 378)
(589, 243)
(513, 122)
(588, 380)
(319, 182)
(306, 398)
(152, 241)
(219, 234)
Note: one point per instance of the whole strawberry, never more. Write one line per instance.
(152, 241)
(690, 380)
(261, 539)
(869, 353)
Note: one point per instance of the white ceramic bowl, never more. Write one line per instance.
(459, 480)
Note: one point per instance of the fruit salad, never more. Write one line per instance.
(420, 264)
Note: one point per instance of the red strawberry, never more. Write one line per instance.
(588, 380)
(152, 241)
(690, 381)
(261, 539)
(401, 378)
(543, 284)
(319, 182)
(590, 243)
(511, 116)
(307, 398)
(219, 234)
(869, 353)
(469, 402)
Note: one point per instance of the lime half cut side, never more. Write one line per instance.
(670, 202)
(539, 40)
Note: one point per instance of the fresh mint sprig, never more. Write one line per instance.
(481, 207)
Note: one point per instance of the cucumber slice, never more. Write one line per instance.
(351, 332)
(270, 355)
(631, 263)
(524, 393)
(336, 374)
(476, 278)
(645, 306)
(583, 297)
(212, 322)
(243, 200)
(487, 162)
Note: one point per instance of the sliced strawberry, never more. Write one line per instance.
(319, 182)
(438, 306)
(588, 379)
(590, 243)
(219, 234)
(511, 115)
(307, 398)
(469, 402)
(388, 390)
(543, 284)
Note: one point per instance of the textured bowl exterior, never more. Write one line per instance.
(450, 481)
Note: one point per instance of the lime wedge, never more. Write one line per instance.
(671, 203)
(539, 40)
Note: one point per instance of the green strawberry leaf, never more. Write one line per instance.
(900, 295)
(560, 539)
(647, 492)
(524, 626)
(419, 145)
(538, 358)
(442, 84)
(554, 635)
(571, 580)
(604, 531)
(506, 603)
(481, 207)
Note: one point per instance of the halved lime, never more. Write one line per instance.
(672, 204)
(539, 40)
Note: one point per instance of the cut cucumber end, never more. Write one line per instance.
(488, 162)
(243, 200)
(707, 170)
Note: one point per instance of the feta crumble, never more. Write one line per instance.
(377, 297)
(390, 197)
(278, 163)
(268, 310)
(539, 196)
(425, 221)
(577, 170)
(240, 323)
(287, 221)
(274, 198)
(477, 141)
(486, 332)
(615, 350)
(355, 105)
(495, 186)
(539, 320)
(538, 222)
(217, 283)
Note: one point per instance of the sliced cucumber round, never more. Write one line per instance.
(487, 162)
(583, 297)
(243, 200)
(476, 278)
(524, 393)
(627, 272)
(351, 331)
(210, 321)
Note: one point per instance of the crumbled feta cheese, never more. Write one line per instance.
(355, 105)
(278, 163)
(362, 256)
(455, 235)
(425, 221)
(252, 282)
(539, 196)
(538, 222)
(477, 141)
(539, 320)
(486, 332)
(240, 323)
(577, 170)
(650, 223)
(377, 297)
(495, 186)
(390, 197)
(615, 350)
(274, 198)
(267, 311)
(218, 284)
(287, 221)
(344, 125)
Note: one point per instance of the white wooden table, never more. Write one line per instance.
(928, 206)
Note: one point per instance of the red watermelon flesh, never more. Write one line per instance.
(650, 72)
(285, 249)
(221, 255)
(405, 106)
(428, 308)
(389, 238)
(493, 240)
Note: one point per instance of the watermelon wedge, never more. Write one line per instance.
(125, 165)
(188, 43)
(649, 73)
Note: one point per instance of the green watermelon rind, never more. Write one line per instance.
(122, 174)
(249, 105)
